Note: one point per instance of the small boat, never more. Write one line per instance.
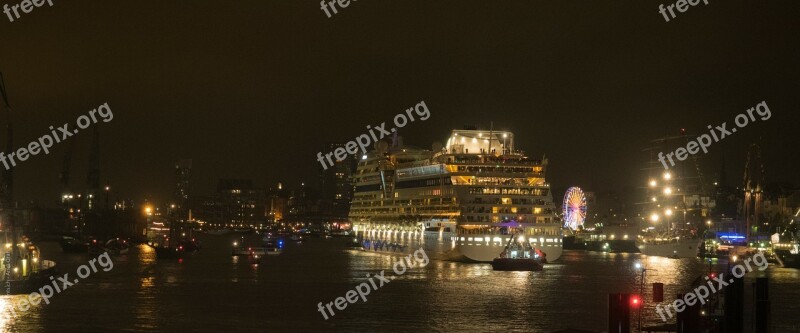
(516, 264)
(218, 232)
(248, 251)
(518, 255)
(117, 247)
(273, 247)
(163, 252)
(72, 245)
(244, 230)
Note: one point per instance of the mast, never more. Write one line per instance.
(491, 129)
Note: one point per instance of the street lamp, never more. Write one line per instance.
(108, 189)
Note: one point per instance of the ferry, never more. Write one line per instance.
(466, 197)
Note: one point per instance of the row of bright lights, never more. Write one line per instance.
(667, 191)
(667, 176)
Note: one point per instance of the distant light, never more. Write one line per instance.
(654, 199)
(364, 157)
(638, 265)
(654, 217)
(667, 175)
(653, 183)
(668, 212)
(668, 190)
(505, 135)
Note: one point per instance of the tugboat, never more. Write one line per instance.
(518, 255)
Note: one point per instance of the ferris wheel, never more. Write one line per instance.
(574, 208)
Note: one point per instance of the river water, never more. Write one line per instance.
(210, 291)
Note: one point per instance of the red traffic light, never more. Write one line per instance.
(713, 275)
(635, 301)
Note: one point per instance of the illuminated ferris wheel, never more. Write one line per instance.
(574, 208)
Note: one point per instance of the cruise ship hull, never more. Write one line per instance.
(687, 248)
(452, 248)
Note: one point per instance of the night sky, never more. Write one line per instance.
(254, 89)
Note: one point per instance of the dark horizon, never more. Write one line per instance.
(255, 90)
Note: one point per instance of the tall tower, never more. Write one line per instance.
(183, 172)
(753, 185)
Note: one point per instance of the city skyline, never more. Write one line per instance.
(591, 112)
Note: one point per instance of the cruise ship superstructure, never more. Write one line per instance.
(472, 193)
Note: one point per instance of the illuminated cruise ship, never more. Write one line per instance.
(472, 195)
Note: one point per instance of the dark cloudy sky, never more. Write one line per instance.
(253, 89)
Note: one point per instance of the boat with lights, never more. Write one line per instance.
(677, 202)
(466, 197)
(788, 251)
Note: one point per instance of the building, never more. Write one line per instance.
(236, 204)
(183, 172)
(278, 200)
(336, 186)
